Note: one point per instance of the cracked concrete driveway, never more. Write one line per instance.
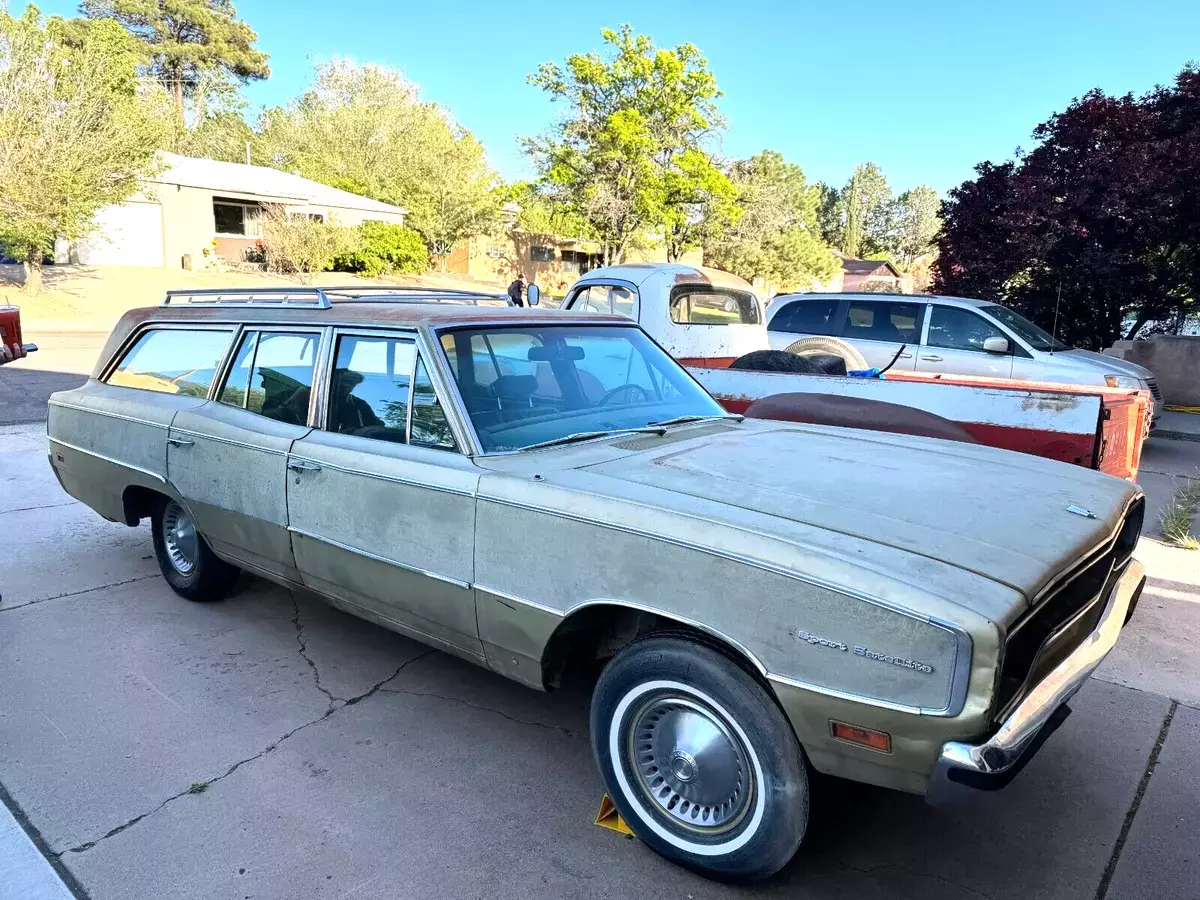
(269, 746)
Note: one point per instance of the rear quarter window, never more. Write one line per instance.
(694, 304)
(173, 361)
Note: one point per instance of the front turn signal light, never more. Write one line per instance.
(864, 737)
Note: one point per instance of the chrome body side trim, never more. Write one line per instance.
(110, 415)
(108, 459)
(381, 559)
(394, 479)
(228, 441)
(1004, 749)
(959, 679)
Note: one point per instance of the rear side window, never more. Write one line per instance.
(272, 375)
(694, 304)
(173, 361)
(807, 317)
(883, 320)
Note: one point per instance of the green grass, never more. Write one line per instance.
(1176, 522)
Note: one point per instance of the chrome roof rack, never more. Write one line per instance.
(311, 297)
(411, 293)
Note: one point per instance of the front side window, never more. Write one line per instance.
(960, 329)
(370, 386)
(526, 385)
(883, 320)
(430, 427)
(807, 317)
(608, 299)
(694, 304)
(272, 375)
(173, 361)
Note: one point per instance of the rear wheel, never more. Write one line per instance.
(187, 562)
(699, 760)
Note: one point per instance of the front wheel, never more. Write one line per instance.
(699, 759)
(188, 564)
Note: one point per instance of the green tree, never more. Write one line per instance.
(363, 128)
(629, 155)
(831, 212)
(917, 224)
(869, 217)
(776, 237)
(76, 133)
(700, 201)
(223, 136)
(186, 42)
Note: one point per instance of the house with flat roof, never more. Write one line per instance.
(195, 211)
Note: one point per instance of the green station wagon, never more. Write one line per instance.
(548, 493)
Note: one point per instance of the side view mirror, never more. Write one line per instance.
(995, 345)
(533, 294)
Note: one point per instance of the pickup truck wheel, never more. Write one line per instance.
(699, 759)
(187, 562)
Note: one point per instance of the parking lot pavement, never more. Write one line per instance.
(271, 747)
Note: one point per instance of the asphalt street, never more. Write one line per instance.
(269, 746)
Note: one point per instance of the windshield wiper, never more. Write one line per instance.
(588, 435)
(681, 420)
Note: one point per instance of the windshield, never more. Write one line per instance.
(526, 385)
(1025, 329)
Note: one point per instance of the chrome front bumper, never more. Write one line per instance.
(995, 762)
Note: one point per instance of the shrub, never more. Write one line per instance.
(385, 248)
(300, 245)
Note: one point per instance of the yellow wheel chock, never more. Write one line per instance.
(608, 817)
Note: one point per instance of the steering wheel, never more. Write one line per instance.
(625, 387)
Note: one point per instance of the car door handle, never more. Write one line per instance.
(932, 357)
(179, 442)
(905, 356)
(297, 466)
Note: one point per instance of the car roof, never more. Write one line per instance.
(638, 273)
(372, 313)
(879, 295)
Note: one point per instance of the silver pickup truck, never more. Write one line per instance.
(546, 494)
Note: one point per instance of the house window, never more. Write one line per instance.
(541, 254)
(233, 218)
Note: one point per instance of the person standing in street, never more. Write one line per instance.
(516, 290)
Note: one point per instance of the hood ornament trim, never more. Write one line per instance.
(1081, 511)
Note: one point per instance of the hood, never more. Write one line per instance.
(1101, 363)
(995, 513)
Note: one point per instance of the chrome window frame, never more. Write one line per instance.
(136, 335)
(270, 327)
(416, 335)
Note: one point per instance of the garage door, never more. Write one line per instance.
(128, 234)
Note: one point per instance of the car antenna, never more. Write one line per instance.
(1054, 327)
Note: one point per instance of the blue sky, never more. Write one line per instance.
(926, 90)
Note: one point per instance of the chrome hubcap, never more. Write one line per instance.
(179, 537)
(690, 764)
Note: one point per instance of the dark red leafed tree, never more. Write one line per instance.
(1102, 212)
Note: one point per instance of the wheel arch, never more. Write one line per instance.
(595, 630)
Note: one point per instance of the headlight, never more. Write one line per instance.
(1123, 381)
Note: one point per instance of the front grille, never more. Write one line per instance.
(1154, 391)
(1065, 615)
